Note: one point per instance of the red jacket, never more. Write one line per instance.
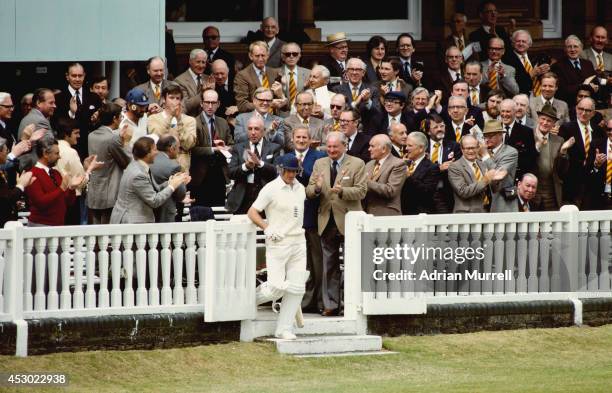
(48, 202)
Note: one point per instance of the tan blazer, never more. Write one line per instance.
(384, 191)
(146, 87)
(192, 100)
(245, 84)
(315, 129)
(351, 176)
(469, 194)
(185, 131)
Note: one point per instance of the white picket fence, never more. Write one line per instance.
(550, 255)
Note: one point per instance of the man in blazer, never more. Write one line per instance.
(335, 61)
(392, 112)
(313, 300)
(422, 178)
(224, 86)
(358, 94)
(581, 154)
(357, 142)
(164, 166)
(487, 11)
(477, 91)
(274, 127)
(385, 176)
(526, 69)
(211, 38)
(471, 178)
(193, 81)
(498, 75)
(522, 111)
(505, 158)
(295, 77)
(139, 194)
(444, 81)
(518, 136)
(256, 75)
(550, 86)
(269, 28)
(596, 52)
(77, 103)
(251, 167)
(304, 103)
(110, 149)
(526, 189)
(208, 163)
(572, 70)
(40, 115)
(157, 82)
(339, 181)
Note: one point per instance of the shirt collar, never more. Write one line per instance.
(42, 166)
(496, 149)
(339, 160)
(194, 75)
(258, 71)
(206, 118)
(418, 160)
(144, 164)
(73, 91)
(302, 153)
(301, 119)
(544, 99)
(3, 124)
(382, 160)
(596, 53)
(486, 28)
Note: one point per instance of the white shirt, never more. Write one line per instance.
(440, 150)
(509, 131)
(396, 117)
(351, 139)
(453, 74)
(73, 93)
(251, 176)
(138, 130)
(608, 188)
(194, 76)
(284, 207)
(418, 161)
(544, 99)
(260, 74)
(583, 131)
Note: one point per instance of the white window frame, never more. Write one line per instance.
(552, 26)
(356, 30)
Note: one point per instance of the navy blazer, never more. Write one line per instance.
(523, 140)
(419, 188)
(378, 123)
(523, 79)
(311, 206)
(360, 146)
(345, 90)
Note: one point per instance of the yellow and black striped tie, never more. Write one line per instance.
(587, 142)
(609, 167)
(457, 134)
(292, 88)
(600, 63)
(264, 80)
(436, 153)
(411, 168)
(355, 93)
(336, 125)
(478, 176)
(493, 79)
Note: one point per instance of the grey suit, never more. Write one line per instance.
(162, 168)
(588, 54)
(315, 129)
(146, 87)
(505, 158)
(192, 100)
(507, 83)
(536, 104)
(138, 196)
(103, 184)
(469, 194)
(240, 128)
(301, 76)
(274, 54)
(34, 116)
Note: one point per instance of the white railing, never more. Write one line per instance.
(547, 255)
(76, 271)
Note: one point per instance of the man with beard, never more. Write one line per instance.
(137, 103)
(442, 152)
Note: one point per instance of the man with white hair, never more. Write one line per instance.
(358, 94)
(319, 77)
(518, 136)
(573, 71)
(192, 82)
(497, 74)
(224, 86)
(422, 176)
(527, 71)
(295, 77)
(304, 103)
(526, 191)
(522, 110)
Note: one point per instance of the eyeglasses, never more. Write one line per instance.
(263, 100)
(7, 106)
(354, 69)
(211, 37)
(291, 54)
(305, 103)
(398, 102)
(586, 110)
(457, 107)
(336, 107)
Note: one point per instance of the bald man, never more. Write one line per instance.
(224, 86)
(385, 175)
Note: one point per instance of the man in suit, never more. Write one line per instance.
(256, 75)
(478, 91)
(519, 137)
(522, 111)
(505, 159)
(77, 103)
(358, 95)
(526, 189)
(139, 195)
(391, 113)
(251, 167)
(224, 86)
(313, 300)
(471, 178)
(208, 157)
(602, 61)
(422, 176)
(385, 176)
(398, 134)
(442, 152)
(9, 194)
(389, 70)
(295, 77)
(527, 72)
(172, 121)
(6, 113)
(304, 104)
(600, 182)
(39, 116)
(51, 194)
(335, 62)
(274, 125)
(445, 78)
(550, 86)
(581, 154)
(336, 105)
(269, 27)
(457, 123)
(340, 183)
(110, 149)
(498, 75)
(193, 81)
(211, 38)
(457, 37)
(572, 70)
(99, 85)
(553, 160)
(587, 91)
(409, 71)
(157, 82)
(489, 28)
(474, 114)
(317, 79)
(357, 142)
(165, 165)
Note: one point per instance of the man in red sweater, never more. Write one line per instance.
(51, 194)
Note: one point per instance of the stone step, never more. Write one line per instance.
(265, 325)
(328, 344)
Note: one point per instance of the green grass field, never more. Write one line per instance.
(535, 360)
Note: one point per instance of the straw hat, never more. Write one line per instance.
(336, 38)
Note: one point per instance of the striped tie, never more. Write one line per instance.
(157, 93)
(474, 97)
(536, 84)
(587, 142)
(609, 167)
(458, 134)
(376, 170)
(336, 125)
(460, 44)
(436, 152)
(264, 80)
(600, 63)
(537, 87)
(292, 88)
(355, 93)
(493, 78)
(478, 176)
(411, 168)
